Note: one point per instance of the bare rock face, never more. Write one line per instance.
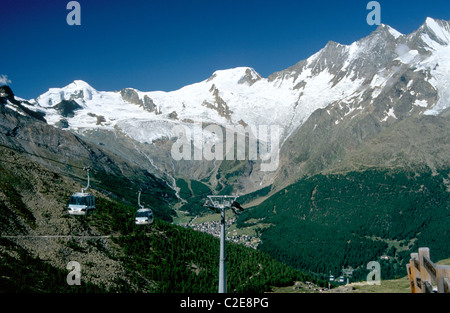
(131, 96)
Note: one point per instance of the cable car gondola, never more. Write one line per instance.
(143, 216)
(80, 203)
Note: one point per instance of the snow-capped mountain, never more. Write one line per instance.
(286, 98)
(228, 97)
(387, 77)
(398, 116)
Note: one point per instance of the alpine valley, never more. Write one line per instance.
(363, 169)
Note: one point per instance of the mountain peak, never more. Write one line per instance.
(390, 30)
(437, 30)
(79, 85)
(78, 89)
(430, 20)
(240, 75)
(433, 21)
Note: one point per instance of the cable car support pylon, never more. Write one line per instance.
(219, 204)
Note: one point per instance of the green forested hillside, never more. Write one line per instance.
(38, 238)
(329, 222)
(194, 193)
(161, 258)
(177, 259)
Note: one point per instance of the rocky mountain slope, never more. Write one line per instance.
(41, 166)
(326, 107)
(405, 83)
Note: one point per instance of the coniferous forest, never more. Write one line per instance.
(329, 222)
(161, 258)
(182, 260)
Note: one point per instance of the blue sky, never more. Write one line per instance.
(166, 44)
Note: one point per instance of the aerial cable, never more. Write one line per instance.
(87, 169)
(41, 157)
(46, 146)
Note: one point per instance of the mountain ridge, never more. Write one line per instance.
(379, 80)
